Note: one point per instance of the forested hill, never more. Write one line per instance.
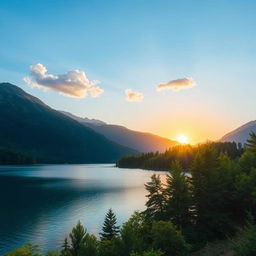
(185, 154)
(29, 126)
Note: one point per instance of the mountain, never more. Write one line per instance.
(140, 141)
(240, 134)
(84, 120)
(29, 126)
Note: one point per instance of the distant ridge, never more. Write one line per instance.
(140, 141)
(241, 134)
(29, 126)
(84, 120)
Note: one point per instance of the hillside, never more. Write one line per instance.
(240, 134)
(140, 141)
(29, 126)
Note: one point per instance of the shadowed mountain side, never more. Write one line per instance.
(240, 134)
(29, 126)
(140, 141)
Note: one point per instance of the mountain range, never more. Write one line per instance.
(140, 141)
(29, 126)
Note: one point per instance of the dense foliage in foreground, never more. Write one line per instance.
(215, 200)
(185, 154)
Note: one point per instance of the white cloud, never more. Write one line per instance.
(133, 96)
(72, 84)
(178, 84)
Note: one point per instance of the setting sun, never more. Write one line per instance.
(182, 139)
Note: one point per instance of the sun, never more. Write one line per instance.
(182, 139)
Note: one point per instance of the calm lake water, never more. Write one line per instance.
(42, 203)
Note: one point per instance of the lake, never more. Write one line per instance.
(41, 204)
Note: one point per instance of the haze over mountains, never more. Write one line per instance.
(140, 141)
(240, 134)
(29, 126)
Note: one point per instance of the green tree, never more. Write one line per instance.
(247, 161)
(207, 197)
(168, 239)
(110, 229)
(226, 192)
(109, 248)
(244, 244)
(52, 253)
(65, 248)
(246, 192)
(148, 253)
(90, 246)
(77, 237)
(26, 250)
(251, 143)
(178, 196)
(156, 200)
(135, 235)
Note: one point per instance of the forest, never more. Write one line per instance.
(185, 154)
(8, 157)
(209, 195)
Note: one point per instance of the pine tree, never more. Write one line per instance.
(77, 237)
(65, 248)
(110, 229)
(251, 143)
(155, 203)
(178, 196)
(208, 193)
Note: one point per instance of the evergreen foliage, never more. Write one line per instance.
(148, 253)
(184, 154)
(251, 143)
(205, 202)
(65, 248)
(109, 229)
(155, 203)
(168, 239)
(244, 244)
(178, 196)
(77, 237)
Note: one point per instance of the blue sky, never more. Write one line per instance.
(138, 45)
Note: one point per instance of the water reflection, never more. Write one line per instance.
(42, 203)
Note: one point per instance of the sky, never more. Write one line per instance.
(162, 66)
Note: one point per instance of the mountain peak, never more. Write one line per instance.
(29, 126)
(240, 134)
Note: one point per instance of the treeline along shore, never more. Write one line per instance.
(185, 154)
(11, 157)
(216, 202)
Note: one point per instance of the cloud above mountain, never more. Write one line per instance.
(72, 84)
(177, 85)
(133, 96)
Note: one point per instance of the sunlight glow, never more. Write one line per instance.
(182, 139)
